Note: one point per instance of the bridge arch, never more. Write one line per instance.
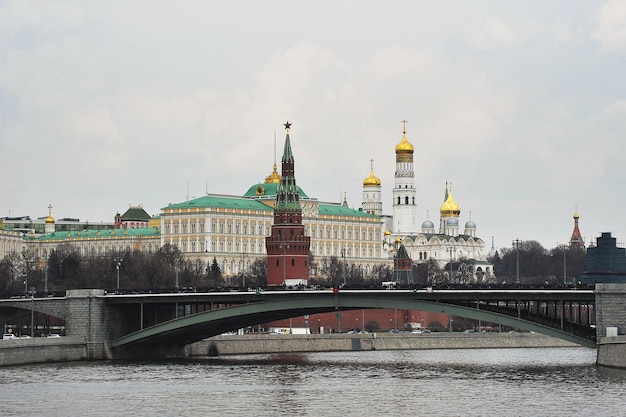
(199, 326)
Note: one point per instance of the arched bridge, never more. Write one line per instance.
(183, 318)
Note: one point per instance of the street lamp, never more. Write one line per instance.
(118, 262)
(176, 269)
(564, 263)
(451, 249)
(356, 324)
(516, 244)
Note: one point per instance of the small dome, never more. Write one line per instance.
(427, 225)
(450, 208)
(404, 147)
(387, 233)
(576, 215)
(398, 239)
(49, 220)
(371, 181)
(470, 224)
(452, 222)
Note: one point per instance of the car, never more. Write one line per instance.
(416, 331)
(394, 331)
(24, 336)
(8, 336)
(53, 335)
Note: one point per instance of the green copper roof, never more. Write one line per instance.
(221, 201)
(136, 213)
(262, 190)
(342, 210)
(114, 233)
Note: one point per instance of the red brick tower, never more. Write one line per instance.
(287, 246)
(576, 241)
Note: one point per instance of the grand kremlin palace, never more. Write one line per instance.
(232, 228)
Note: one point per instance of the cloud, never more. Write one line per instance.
(611, 26)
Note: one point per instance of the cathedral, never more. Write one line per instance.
(460, 253)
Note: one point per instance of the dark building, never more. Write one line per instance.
(606, 263)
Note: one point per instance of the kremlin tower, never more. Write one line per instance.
(576, 241)
(287, 246)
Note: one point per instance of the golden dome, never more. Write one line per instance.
(49, 219)
(404, 147)
(387, 233)
(273, 178)
(576, 215)
(372, 180)
(398, 239)
(450, 208)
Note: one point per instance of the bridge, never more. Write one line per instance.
(119, 325)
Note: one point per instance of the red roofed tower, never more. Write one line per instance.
(287, 246)
(576, 241)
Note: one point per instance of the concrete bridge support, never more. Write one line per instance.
(611, 324)
(86, 317)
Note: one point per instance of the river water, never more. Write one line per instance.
(476, 382)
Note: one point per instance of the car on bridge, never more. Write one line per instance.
(8, 336)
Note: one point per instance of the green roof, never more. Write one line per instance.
(221, 201)
(116, 233)
(136, 213)
(268, 190)
(342, 210)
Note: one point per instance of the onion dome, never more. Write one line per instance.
(576, 215)
(50, 219)
(404, 147)
(470, 224)
(450, 208)
(387, 233)
(273, 178)
(372, 180)
(398, 239)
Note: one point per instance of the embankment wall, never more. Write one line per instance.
(43, 349)
(267, 343)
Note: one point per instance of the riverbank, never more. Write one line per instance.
(271, 343)
(64, 349)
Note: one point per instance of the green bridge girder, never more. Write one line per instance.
(196, 327)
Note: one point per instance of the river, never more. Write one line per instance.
(455, 382)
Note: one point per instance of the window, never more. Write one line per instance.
(213, 227)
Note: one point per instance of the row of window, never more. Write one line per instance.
(335, 232)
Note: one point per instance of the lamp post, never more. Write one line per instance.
(45, 288)
(356, 324)
(343, 266)
(451, 249)
(176, 269)
(564, 264)
(516, 244)
(118, 262)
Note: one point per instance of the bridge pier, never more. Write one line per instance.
(611, 324)
(86, 317)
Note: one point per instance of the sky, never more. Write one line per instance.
(520, 105)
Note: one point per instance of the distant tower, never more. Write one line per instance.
(449, 214)
(404, 204)
(287, 246)
(372, 202)
(49, 226)
(576, 241)
(402, 266)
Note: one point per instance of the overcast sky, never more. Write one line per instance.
(521, 105)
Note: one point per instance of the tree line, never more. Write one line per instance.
(167, 268)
